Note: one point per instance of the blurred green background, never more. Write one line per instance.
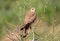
(12, 13)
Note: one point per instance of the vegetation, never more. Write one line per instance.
(12, 13)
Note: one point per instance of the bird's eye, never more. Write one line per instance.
(32, 9)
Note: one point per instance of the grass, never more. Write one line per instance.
(13, 12)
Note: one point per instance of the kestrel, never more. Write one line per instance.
(29, 19)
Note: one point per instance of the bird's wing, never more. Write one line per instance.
(29, 18)
(32, 18)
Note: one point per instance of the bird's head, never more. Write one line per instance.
(32, 10)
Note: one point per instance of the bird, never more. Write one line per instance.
(28, 20)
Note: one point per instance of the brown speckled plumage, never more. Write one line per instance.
(29, 19)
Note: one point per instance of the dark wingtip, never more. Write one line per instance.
(21, 28)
